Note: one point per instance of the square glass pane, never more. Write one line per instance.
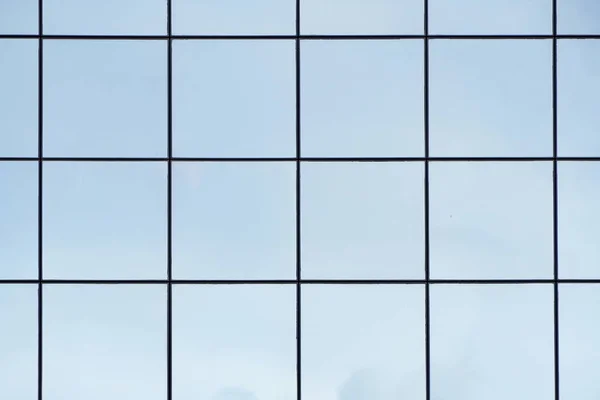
(362, 220)
(578, 17)
(18, 17)
(106, 17)
(19, 220)
(234, 342)
(490, 17)
(234, 98)
(18, 98)
(492, 342)
(578, 220)
(363, 342)
(234, 220)
(491, 220)
(491, 98)
(18, 342)
(338, 17)
(233, 17)
(105, 98)
(578, 88)
(579, 341)
(362, 98)
(105, 342)
(105, 220)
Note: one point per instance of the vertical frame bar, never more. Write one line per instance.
(169, 200)
(298, 213)
(40, 197)
(426, 198)
(555, 197)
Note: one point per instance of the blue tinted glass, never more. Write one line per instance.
(105, 341)
(361, 17)
(105, 98)
(492, 17)
(106, 17)
(18, 98)
(213, 359)
(19, 216)
(231, 17)
(234, 99)
(362, 98)
(499, 336)
(234, 221)
(105, 220)
(491, 220)
(362, 220)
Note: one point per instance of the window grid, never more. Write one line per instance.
(298, 160)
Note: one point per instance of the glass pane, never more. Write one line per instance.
(578, 17)
(362, 220)
(105, 220)
(362, 98)
(19, 220)
(363, 342)
(579, 341)
(234, 220)
(18, 17)
(492, 342)
(105, 342)
(18, 342)
(578, 88)
(579, 220)
(491, 98)
(18, 98)
(234, 342)
(105, 98)
(234, 99)
(106, 17)
(232, 17)
(491, 17)
(491, 220)
(361, 17)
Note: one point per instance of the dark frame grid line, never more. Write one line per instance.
(298, 161)
(298, 37)
(541, 281)
(40, 204)
(426, 198)
(169, 201)
(301, 159)
(555, 197)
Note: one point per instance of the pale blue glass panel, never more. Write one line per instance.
(105, 342)
(106, 17)
(18, 220)
(105, 98)
(578, 220)
(491, 220)
(490, 17)
(234, 342)
(234, 220)
(362, 220)
(363, 342)
(105, 220)
(233, 17)
(491, 98)
(362, 98)
(18, 342)
(234, 99)
(338, 17)
(578, 88)
(492, 342)
(18, 98)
